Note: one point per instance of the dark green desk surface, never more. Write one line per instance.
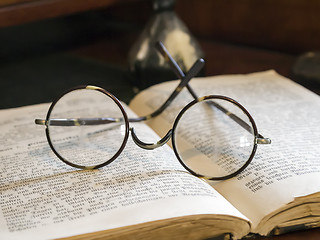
(42, 79)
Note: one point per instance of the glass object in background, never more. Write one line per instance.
(306, 69)
(146, 65)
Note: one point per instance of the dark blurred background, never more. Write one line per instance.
(50, 45)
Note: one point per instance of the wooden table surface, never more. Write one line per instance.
(15, 12)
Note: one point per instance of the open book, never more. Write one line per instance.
(148, 194)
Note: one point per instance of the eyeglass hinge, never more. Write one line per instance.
(262, 140)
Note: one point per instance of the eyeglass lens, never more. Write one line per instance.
(209, 142)
(87, 140)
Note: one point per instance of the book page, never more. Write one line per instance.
(42, 197)
(283, 111)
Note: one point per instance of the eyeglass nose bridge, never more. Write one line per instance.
(150, 146)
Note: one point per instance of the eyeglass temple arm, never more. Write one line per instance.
(194, 70)
(175, 67)
(165, 53)
(150, 146)
(76, 121)
(259, 138)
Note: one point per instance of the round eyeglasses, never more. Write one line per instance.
(213, 137)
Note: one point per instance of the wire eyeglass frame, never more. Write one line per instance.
(184, 82)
